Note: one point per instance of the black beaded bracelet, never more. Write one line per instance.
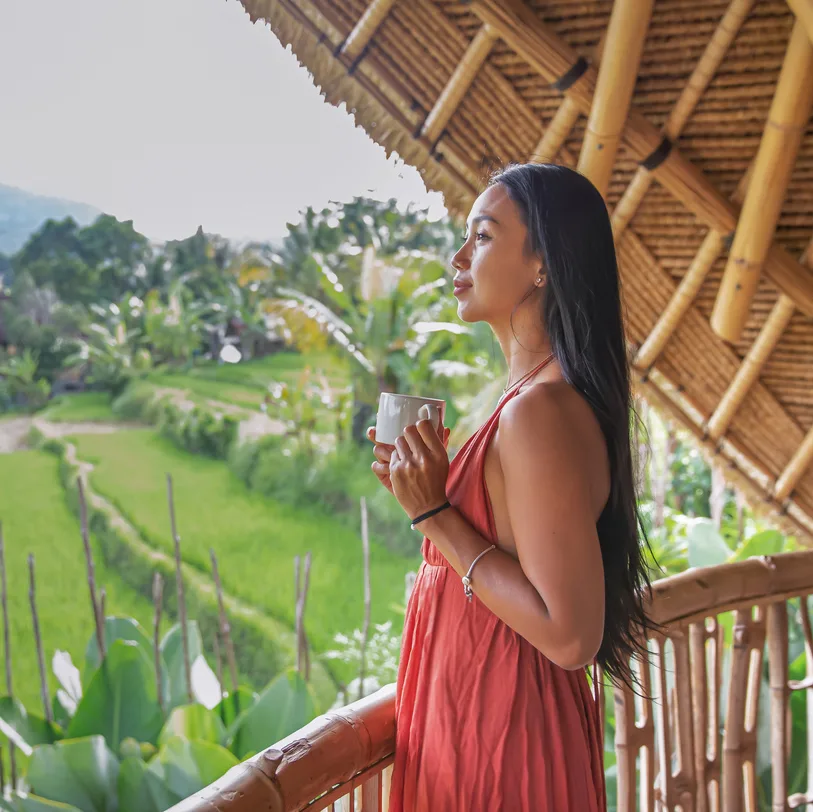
(429, 513)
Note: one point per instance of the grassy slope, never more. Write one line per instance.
(255, 539)
(80, 407)
(36, 519)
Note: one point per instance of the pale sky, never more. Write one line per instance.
(176, 113)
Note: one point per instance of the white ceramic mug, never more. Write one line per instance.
(396, 412)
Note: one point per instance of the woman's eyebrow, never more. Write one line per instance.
(483, 218)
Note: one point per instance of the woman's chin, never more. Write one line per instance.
(465, 312)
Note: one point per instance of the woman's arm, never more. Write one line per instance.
(554, 594)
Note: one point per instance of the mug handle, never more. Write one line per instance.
(430, 412)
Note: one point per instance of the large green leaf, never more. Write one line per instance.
(141, 789)
(768, 542)
(81, 772)
(33, 803)
(706, 545)
(194, 722)
(186, 767)
(233, 704)
(67, 674)
(121, 700)
(205, 688)
(24, 729)
(282, 708)
(115, 628)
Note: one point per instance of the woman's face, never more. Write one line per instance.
(493, 269)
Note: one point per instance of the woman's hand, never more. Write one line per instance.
(419, 468)
(383, 455)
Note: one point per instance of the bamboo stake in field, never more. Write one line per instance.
(365, 630)
(32, 599)
(91, 570)
(7, 650)
(302, 585)
(176, 540)
(157, 601)
(219, 663)
(225, 626)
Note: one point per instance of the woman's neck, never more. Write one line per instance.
(523, 349)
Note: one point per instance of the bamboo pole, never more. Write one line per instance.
(778, 678)
(803, 9)
(157, 601)
(364, 29)
(32, 599)
(302, 656)
(176, 540)
(795, 469)
(695, 87)
(459, 83)
(219, 662)
(751, 367)
(365, 629)
(225, 626)
(624, 47)
(12, 753)
(711, 249)
(559, 128)
(551, 57)
(787, 120)
(91, 570)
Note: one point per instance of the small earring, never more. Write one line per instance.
(539, 281)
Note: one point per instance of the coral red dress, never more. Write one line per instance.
(484, 720)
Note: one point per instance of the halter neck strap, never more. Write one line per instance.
(538, 368)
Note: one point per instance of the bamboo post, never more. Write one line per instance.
(176, 539)
(803, 9)
(523, 31)
(711, 249)
(787, 120)
(157, 601)
(12, 754)
(624, 47)
(751, 367)
(225, 627)
(219, 662)
(460, 81)
(778, 678)
(32, 599)
(364, 29)
(695, 87)
(365, 629)
(91, 570)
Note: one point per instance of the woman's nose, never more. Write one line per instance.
(460, 260)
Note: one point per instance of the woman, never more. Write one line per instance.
(532, 565)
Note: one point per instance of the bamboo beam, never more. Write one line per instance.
(787, 120)
(778, 671)
(559, 128)
(367, 25)
(552, 58)
(710, 250)
(707, 66)
(803, 9)
(460, 81)
(626, 33)
(795, 469)
(751, 366)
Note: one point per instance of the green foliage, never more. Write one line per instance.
(22, 382)
(81, 407)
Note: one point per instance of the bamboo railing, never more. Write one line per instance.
(341, 761)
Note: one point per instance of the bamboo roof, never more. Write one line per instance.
(672, 108)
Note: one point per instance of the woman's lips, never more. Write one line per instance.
(460, 289)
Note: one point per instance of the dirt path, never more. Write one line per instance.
(14, 434)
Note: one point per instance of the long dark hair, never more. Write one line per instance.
(569, 228)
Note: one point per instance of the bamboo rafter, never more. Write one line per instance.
(711, 249)
(550, 56)
(364, 29)
(787, 120)
(459, 83)
(803, 9)
(557, 131)
(629, 22)
(707, 66)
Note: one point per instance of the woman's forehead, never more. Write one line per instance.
(493, 204)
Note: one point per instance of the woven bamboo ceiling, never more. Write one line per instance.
(691, 116)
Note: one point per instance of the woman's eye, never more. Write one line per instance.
(480, 236)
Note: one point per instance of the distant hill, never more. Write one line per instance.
(22, 213)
